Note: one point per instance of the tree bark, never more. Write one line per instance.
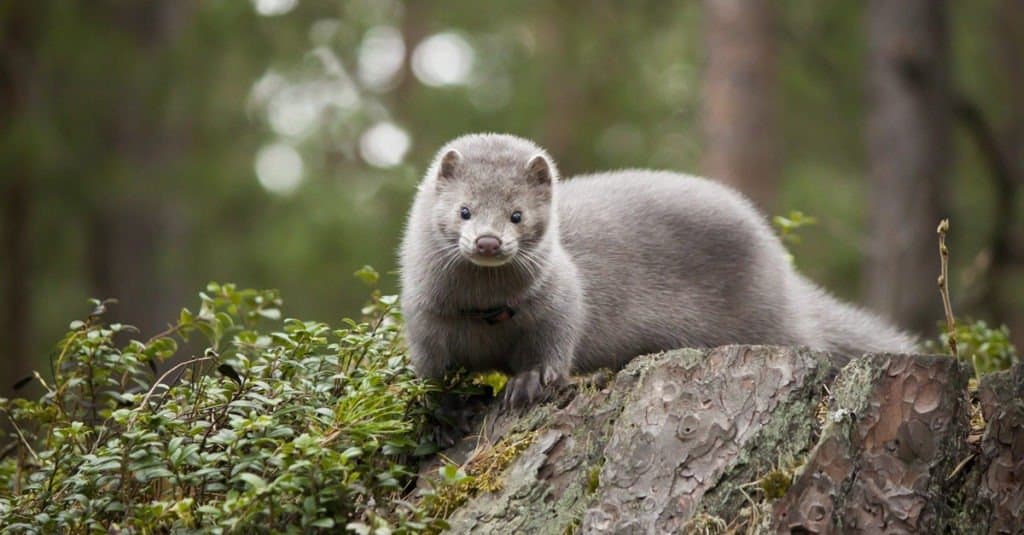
(898, 427)
(740, 115)
(999, 466)
(755, 439)
(675, 432)
(909, 156)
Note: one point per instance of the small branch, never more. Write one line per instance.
(944, 285)
(960, 466)
(171, 329)
(145, 400)
(21, 436)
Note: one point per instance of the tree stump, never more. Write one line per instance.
(757, 439)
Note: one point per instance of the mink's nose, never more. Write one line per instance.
(488, 245)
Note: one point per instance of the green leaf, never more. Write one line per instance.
(368, 275)
(351, 453)
(452, 473)
(253, 480)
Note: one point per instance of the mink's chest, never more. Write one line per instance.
(486, 343)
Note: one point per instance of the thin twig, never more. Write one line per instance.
(960, 466)
(145, 400)
(21, 436)
(944, 286)
(171, 329)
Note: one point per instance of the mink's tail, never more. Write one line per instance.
(853, 331)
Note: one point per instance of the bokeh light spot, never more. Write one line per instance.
(443, 59)
(279, 168)
(384, 145)
(271, 8)
(380, 57)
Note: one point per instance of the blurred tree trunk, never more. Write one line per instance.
(909, 156)
(133, 229)
(740, 115)
(1009, 46)
(414, 29)
(563, 91)
(16, 42)
(17, 324)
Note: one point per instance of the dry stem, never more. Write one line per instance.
(944, 285)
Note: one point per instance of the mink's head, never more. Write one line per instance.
(493, 198)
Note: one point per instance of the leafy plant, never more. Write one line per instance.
(295, 428)
(988, 349)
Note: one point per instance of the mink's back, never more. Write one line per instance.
(668, 260)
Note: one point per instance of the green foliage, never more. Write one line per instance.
(789, 224)
(988, 349)
(296, 428)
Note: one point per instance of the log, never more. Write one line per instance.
(897, 428)
(754, 439)
(996, 501)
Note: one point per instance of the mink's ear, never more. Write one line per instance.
(538, 171)
(446, 170)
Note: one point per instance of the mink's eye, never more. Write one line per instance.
(464, 213)
(517, 216)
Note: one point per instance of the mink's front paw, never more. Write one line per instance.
(531, 386)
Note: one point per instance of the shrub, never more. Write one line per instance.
(987, 349)
(298, 427)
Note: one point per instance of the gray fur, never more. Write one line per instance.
(630, 262)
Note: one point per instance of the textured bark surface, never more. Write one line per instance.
(641, 452)
(691, 424)
(997, 477)
(897, 428)
(753, 439)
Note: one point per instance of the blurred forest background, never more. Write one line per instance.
(150, 146)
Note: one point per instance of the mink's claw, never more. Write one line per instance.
(530, 387)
